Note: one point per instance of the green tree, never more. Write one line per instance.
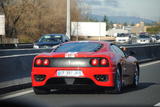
(154, 29)
(125, 24)
(132, 24)
(105, 19)
(111, 24)
(27, 20)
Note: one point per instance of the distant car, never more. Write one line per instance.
(123, 38)
(84, 64)
(157, 39)
(143, 39)
(153, 38)
(50, 40)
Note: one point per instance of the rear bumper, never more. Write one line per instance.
(72, 87)
(88, 77)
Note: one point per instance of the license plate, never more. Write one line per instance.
(70, 73)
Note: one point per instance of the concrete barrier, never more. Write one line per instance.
(7, 46)
(15, 71)
(144, 52)
(16, 46)
(6, 52)
(24, 45)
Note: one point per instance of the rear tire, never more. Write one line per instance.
(40, 90)
(136, 78)
(118, 83)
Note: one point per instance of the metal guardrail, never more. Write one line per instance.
(139, 45)
(7, 46)
(144, 51)
(16, 46)
(30, 45)
(24, 45)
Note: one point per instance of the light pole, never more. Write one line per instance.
(68, 27)
(99, 31)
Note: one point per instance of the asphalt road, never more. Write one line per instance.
(146, 95)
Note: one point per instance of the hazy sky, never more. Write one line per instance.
(149, 9)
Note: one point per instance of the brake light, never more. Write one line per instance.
(94, 62)
(38, 62)
(104, 61)
(46, 62)
(42, 62)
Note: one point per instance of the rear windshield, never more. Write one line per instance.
(122, 35)
(79, 47)
(51, 38)
(143, 36)
(157, 37)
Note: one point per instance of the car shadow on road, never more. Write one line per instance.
(141, 86)
(127, 89)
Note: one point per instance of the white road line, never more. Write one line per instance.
(18, 55)
(157, 105)
(150, 63)
(16, 95)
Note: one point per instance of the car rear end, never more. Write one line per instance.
(157, 39)
(143, 41)
(60, 72)
(73, 70)
(122, 39)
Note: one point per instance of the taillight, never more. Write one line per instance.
(94, 62)
(104, 61)
(99, 62)
(38, 62)
(42, 62)
(46, 62)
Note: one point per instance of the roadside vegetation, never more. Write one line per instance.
(27, 20)
(154, 29)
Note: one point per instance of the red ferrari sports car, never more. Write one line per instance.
(84, 64)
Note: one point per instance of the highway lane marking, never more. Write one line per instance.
(158, 104)
(16, 95)
(149, 63)
(9, 56)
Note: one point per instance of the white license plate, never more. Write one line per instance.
(70, 73)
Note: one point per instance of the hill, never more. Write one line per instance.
(123, 19)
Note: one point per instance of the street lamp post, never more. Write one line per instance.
(99, 31)
(68, 27)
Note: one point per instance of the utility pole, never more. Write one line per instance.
(77, 31)
(99, 31)
(68, 27)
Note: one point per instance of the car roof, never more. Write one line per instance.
(54, 34)
(106, 43)
(102, 42)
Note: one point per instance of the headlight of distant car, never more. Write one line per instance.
(35, 46)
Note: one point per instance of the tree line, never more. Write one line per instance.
(27, 20)
(154, 29)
